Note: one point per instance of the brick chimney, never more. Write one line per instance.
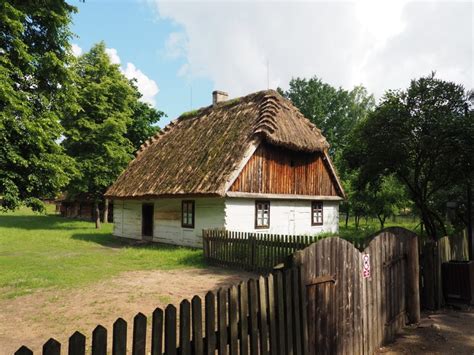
(219, 96)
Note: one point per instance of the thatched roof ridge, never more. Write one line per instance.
(200, 150)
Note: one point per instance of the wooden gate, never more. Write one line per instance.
(357, 301)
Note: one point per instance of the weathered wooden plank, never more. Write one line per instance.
(196, 307)
(185, 327)
(222, 321)
(52, 347)
(287, 280)
(139, 335)
(77, 344)
(157, 332)
(280, 311)
(233, 321)
(253, 321)
(210, 323)
(99, 341)
(23, 350)
(272, 326)
(277, 170)
(119, 337)
(297, 331)
(170, 330)
(263, 314)
(243, 315)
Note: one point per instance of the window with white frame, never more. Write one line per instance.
(316, 213)
(262, 214)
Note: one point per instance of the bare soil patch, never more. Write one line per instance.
(32, 319)
(448, 331)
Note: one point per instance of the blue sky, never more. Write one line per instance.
(227, 44)
(139, 36)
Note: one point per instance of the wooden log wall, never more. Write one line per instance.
(274, 170)
(352, 314)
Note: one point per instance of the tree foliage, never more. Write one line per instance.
(96, 129)
(422, 136)
(106, 124)
(143, 124)
(334, 111)
(34, 82)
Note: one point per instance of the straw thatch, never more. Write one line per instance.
(199, 151)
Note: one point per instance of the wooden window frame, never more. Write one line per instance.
(257, 226)
(183, 204)
(313, 222)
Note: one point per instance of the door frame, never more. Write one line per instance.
(152, 205)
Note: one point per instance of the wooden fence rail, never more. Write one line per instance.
(260, 316)
(255, 251)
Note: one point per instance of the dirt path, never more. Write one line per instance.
(445, 332)
(31, 320)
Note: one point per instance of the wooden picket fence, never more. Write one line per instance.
(432, 255)
(263, 316)
(259, 252)
(359, 300)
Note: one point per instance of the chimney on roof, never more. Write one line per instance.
(219, 96)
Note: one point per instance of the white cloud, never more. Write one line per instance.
(113, 55)
(176, 45)
(76, 50)
(146, 86)
(381, 44)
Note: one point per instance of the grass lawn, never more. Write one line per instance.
(48, 251)
(372, 225)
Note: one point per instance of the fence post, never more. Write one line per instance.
(413, 285)
(253, 246)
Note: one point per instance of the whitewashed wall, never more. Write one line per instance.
(209, 213)
(286, 216)
(128, 219)
(236, 214)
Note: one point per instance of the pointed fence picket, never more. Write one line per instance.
(259, 252)
(241, 319)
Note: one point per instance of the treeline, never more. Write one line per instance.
(71, 124)
(413, 151)
(67, 124)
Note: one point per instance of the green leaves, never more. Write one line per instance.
(334, 111)
(34, 77)
(106, 125)
(418, 135)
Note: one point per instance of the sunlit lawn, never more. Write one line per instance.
(47, 251)
(367, 227)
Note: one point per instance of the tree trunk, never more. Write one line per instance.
(382, 221)
(106, 211)
(347, 218)
(97, 215)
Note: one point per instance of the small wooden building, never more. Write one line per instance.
(80, 207)
(253, 164)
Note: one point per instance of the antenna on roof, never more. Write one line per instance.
(268, 74)
(191, 97)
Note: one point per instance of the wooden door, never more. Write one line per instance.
(147, 221)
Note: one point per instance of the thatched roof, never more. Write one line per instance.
(199, 151)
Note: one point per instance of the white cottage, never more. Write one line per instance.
(252, 164)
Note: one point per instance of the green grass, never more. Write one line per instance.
(48, 251)
(372, 225)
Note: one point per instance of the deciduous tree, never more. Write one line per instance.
(96, 132)
(34, 91)
(421, 135)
